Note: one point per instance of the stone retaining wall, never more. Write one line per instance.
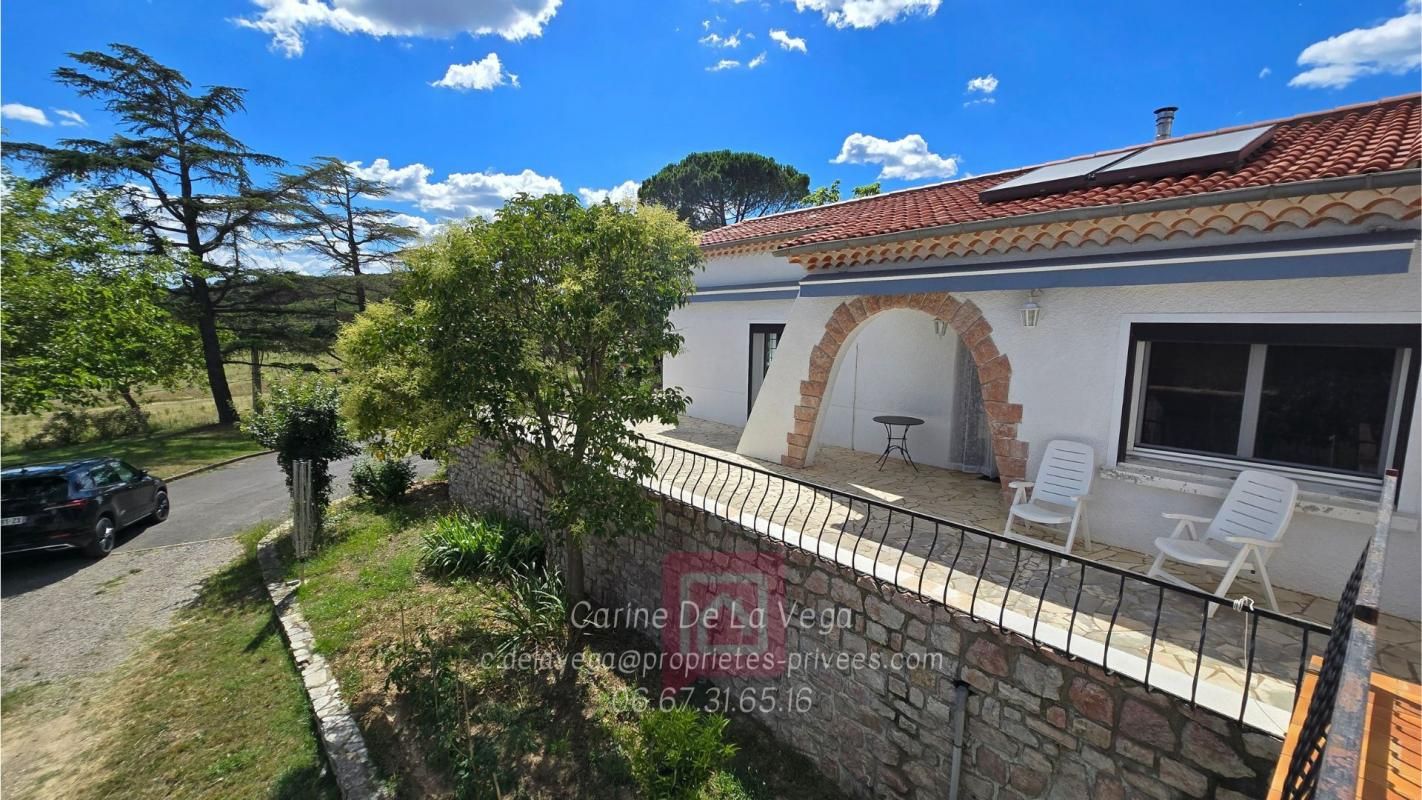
(1038, 725)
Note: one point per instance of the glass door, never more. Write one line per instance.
(763, 341)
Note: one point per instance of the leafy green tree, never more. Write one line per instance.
(822, 196)
(867, 190)
(331, 221)
(83, 315)
(188, 180)
(713, 189)
(540, 331)
(301, 419)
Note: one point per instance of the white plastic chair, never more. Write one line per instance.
(1248, 528)
(1059, 494)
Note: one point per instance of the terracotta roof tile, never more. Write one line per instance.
(1376, 137)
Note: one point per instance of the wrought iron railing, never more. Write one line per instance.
(978, 572)
(1324, 762)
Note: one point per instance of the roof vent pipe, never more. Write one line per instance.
(1164, 118)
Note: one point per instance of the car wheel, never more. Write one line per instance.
(104, 534)
(160, 507)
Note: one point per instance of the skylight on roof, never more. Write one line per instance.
(1205, 153)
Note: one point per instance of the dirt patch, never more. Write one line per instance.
(41, 737)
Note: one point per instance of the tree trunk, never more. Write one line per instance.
(573, 580)
(359, 286)
(256, 379)
(127, 395)
(212, 352)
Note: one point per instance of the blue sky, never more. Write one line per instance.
(608, 92)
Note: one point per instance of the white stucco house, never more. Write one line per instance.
(1189, 307)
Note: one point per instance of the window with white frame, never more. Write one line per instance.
(1329, 399)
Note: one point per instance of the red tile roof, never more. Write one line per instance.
(1382, 136)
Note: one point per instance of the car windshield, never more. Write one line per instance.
(51, 489)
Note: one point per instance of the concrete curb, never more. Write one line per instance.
(207, 467)
(340, 736)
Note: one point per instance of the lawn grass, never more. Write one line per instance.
(211, 708)
(522, 733)
(163, 455)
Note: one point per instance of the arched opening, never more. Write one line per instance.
(974, 333)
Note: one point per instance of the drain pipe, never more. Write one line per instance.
(960, 718)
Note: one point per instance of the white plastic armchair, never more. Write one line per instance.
(1248, 528)
(1059, 495)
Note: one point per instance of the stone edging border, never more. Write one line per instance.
(339, 736)
(206, 467)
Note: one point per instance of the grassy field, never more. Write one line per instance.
(212, 709)
(169, 409)
(164, 455)
(522, 733)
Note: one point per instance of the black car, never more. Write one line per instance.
(76, 505)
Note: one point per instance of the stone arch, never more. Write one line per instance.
(964, 317)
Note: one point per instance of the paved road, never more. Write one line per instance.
(65, 614)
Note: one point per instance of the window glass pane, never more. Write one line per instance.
(1194, 396)
(1325, 407)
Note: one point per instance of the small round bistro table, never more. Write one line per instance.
(897, 444)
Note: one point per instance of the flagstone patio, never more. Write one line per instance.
(1160, 637)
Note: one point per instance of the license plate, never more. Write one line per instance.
(13, 520)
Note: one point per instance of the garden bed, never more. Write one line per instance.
(443, 717)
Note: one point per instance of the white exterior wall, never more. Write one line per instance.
(712, 365)
(896, 365)
(1069, 372)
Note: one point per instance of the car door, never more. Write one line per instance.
(134, 497)
(113, 497)
(144, 486)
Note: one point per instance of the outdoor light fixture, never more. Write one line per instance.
(1030, 310)
(940, 327)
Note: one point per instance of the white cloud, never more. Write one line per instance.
(907, 158)
(787, 41)
(483, 74)
(625, 191)
(459, 194)
(986, 84)
(723, 64)
(1264, 73)
(69, 119)
(286, 21)
(715, 40)
(23, 113)
(1389, 47)
(422, 226)
(866, 13)
(757, 61)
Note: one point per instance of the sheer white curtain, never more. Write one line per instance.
(970, 445)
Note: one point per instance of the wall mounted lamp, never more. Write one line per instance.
(1031, 312)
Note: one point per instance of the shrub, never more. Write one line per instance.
(63, 428)
(534, 613)
(117, 423)
(680, 749)
(301, 420)
(382, 480)
(461, 543)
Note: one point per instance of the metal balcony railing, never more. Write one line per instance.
(1324, 763)
(1124, 621)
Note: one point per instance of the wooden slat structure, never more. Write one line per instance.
(1390, 766)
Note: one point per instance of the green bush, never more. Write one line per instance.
(301, 420)
(118, 423)
(534, 613)
(63, 428)
(680, 749)
(461, 543)
(382, 480)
